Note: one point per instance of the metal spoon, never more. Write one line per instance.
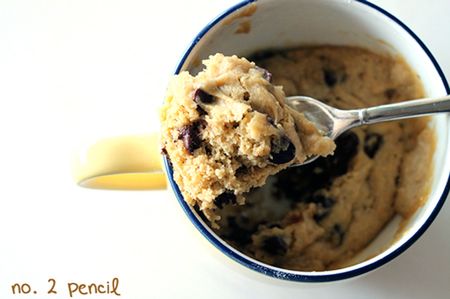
(333, 122)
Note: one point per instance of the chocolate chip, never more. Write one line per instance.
(274, 245)
(346, 149)
(283, 151)
(190, 134)
(337, 235)
(201, 111)
(226, 198)
(372, 143)
(390, 93)
(265, 73)
(267, 76)
(330, 78)
(246, 96)
(201, 96)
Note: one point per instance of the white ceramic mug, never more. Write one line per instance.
(266, 24)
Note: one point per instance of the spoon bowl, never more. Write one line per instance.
(332, 122)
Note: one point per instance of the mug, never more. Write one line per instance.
(135, 162)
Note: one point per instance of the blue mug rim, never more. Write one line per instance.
(288, 274)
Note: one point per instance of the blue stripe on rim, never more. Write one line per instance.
(288, 275)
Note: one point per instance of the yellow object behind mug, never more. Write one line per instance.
(127, 163)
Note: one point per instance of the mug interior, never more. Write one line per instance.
(285, 24)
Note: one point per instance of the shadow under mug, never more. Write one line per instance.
(135, 162)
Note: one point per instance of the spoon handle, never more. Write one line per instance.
(402, 110)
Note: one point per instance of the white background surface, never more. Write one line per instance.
(72, 72)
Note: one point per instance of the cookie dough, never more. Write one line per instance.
(227, 129)
(317, 216)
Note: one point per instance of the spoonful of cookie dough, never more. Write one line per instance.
(332, 122)
(225, 130)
